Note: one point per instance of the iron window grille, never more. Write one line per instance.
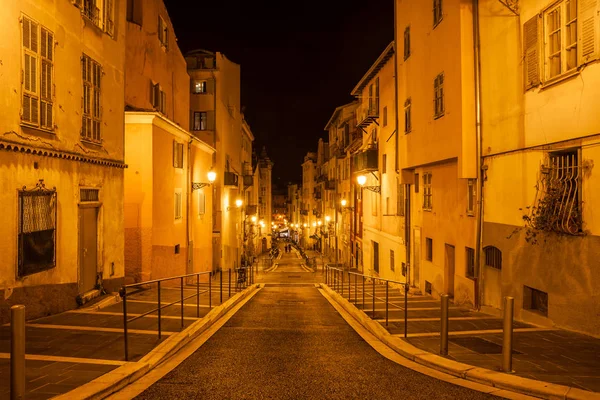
(92, 109)
(88, 195)
(37, 230)
(493, 257)
(438, 89)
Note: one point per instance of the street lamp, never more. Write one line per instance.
(362, 179)
(211, 175)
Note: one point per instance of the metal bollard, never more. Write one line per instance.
(444, 327)
(507, 334)
(17, 352)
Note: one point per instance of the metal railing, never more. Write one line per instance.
(339, 280)
(242, 276)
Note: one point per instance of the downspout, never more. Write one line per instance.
(188, 226)
(479, 234)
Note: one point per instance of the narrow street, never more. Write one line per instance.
(288, 342)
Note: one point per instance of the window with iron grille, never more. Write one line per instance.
(470, 262)
(177, 154)
(471, 192)
(493, 257)
(407, 116)
(91, 120)
(392, 265)
(558, 206)
(429, 249)
(438, 89)
(37, 75)
(88, 195)
(163, 33)
(37, 231)
(437, 12)
(178, 204)
(400, 198)
(406, 43)
(427, 191)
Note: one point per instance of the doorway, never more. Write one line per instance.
(449, 270)
(88, 248)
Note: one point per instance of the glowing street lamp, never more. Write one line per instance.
(238, 203)
(211, 175)
(253, 218)
(344, 202)
(319, 222)
(327, 218)
(361, 179)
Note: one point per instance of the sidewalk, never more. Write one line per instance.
(545, 354)
(67, 350)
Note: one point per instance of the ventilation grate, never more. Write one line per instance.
(86, 195)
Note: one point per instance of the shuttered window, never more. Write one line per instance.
(201, 203)
(439, 106)
(178, 204)
(531, 49)
(163, 33)
(37, 75)
(177, 154)
(91, 73)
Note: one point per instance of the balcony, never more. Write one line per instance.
(248, 181)
(367, 115)
(330, 185)
(231, 179)
(366, 161)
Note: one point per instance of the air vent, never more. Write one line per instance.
(87, 195)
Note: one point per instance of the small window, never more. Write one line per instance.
(201, 203)
(199, 87)
(535, 300)
(392, 262)
(493, 257)
(471, 190)
(91, 119)
(437, 12)
(406, 43)
(470, 262)
(407, 116)
(163, 33)
(427, 192)
(178, 204)
(438, 89)
(429, 249)
(88, 195)
(158, 98)
(416, 183)
(134, 11)
(200, 121)
(177, 154)
(385, 116)
(37, 230)
(427, 287)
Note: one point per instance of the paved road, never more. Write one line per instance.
(288, 342)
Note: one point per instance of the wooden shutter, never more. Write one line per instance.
(587, 26)
(109, 24)
(531, 57)
(210, 120)
(46, 83)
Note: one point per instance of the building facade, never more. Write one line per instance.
(62, 157)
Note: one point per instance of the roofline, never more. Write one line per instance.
(336, 111)
(377, 65)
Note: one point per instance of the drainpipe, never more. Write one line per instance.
(479, 234)
(396, 86)
(188, 226)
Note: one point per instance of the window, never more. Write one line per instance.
(37, 230)
(560, 37)
(493, 257)
(427, 192)
(406, 43)
(158, 98)
(37, 75)
(91, 74)
(178, 204)
(470, 262)
(400, 198)
(134, 11)
(392, 266)
(416, 183)
(384, 164)
(99, 12)
(199, 87)
(163, 33)
(429, 249)
(200, 121)
(88, 195)
(437, 12)
(407, 116)
(177, 154)
(384, 116)
(201, 203)
(471, 191)
(535, 300)
(438, 89)
(375, 256)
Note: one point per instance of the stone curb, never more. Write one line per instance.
(484, 376)
(120, 377)
(113, 298)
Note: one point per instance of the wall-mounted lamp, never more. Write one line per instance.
(361, 179)
(211, 175)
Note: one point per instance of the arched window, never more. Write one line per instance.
(493, 257)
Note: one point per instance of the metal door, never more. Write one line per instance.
(449, 270)
(88, 248)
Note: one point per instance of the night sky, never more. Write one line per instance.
(299, 61)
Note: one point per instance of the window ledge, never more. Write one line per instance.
(92, 142)
(439, 116)
(37, 128)
(559, 79)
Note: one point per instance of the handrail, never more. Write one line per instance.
(248, 278)
(334, 277)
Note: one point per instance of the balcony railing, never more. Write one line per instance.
(366, 161)
(366, 115)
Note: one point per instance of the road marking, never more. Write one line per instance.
(162, 303)
(97, 329)
(432, 319)
(466, 333)
(398, 308)
(130, 314)
(77, 360)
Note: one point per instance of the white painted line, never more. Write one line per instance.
(466, 333)
(97, 329)
(164, 304)
(433, 319)
(77, 360)
(132, 315)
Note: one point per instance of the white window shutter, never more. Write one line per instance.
(531, 56)
(587, 25)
